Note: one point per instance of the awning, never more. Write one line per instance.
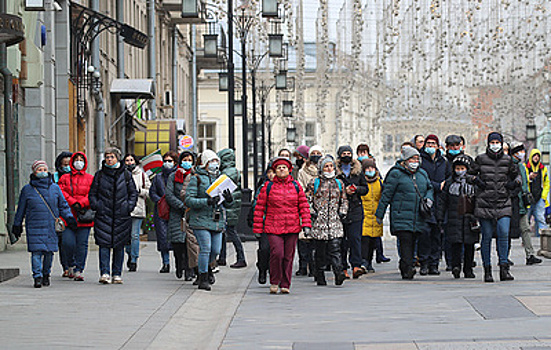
(133, 89)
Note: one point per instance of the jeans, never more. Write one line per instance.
(430, 246)
(231, 235)
(487, 226)
(75, 247)
(526, 238)
(210, 243)
(353, 242)
(369, 244)
(62, 259)
(41, 263)
(165, 257)
(105, 257)
(538, 212)
(407, 247)
(133, 249)
(282, 253)
(263, 253)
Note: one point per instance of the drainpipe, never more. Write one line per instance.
(8, 122)
(120, 72)
(194, 83)
(152, 57)
(96, 93)
(175, 73)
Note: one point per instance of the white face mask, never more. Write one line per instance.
(495, 147)
(78, 164)
(413, 166)
(521, 156)
(329, 175)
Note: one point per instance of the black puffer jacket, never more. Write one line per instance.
(458, 227)
(356, 178)
(495, 171)
(113, 196)
(438, 171)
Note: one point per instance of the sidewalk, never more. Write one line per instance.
(380, 311)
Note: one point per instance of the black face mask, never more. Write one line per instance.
(300, 162)
(131, 167)
(315, 159)
(346, 159)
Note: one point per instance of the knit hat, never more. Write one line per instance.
(368, 162)
(453, 139)
(281, 160)
(37, 164)
(343, 149)
(303, 150)
(408, 152)
(462, 160)
(495, 136)
(432, 137)
(516, 147)
(207, 156)
(327, 159)
(113, 150)
(315, 148)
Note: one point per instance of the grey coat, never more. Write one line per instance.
(173, 196)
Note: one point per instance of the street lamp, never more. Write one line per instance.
(287, 108)
(211, 45)
(291, 134)
(545, 157)
(275, 45)
(190, 9)
(281, 80)
(531, 133)
(238, 108)
(269, 8)
(222, 81)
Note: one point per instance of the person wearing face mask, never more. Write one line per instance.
(76, 187)
(207, 218)
(372, 230)
(462, 229)
(406, 184)
(113, 196)
(495, 175)
(62, 167)
(301, 156)
(139, 213)
(454, 147)
(521, 201)
(362, 151)
(40, 203)
(156, 192)
(179, 232)
(430, 243)
(349, 171)
(307, 173)
(328, 204)
(538, 185)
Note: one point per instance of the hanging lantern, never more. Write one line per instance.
(211, 45)
(190, 9)
(238, 108)
(269, 8)
(287, 108)
(223, 81)
(291, 135)
(545, 157)
(531, 133)
(281, 80)
(275, 45)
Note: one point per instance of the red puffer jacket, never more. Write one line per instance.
(282, 211)
(76, 185)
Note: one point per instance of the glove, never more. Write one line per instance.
(342, 216)
(211, 201)
(307, 232)
(379, 220)
(17, 231)
(480, 183)
(227, 196)
(72, 224)
(511, 185)
(77, 207)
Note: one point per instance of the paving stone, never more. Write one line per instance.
(538, 304)
(324, 346)
(496, 307)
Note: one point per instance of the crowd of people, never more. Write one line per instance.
(443, 205)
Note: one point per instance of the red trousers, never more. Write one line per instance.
(282, 253)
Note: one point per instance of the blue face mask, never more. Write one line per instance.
(186, 165)
(116, 165)
(362, 158)
(454, 152)
(370, 173)
(42, 175)
(66, 169)
(430, 150)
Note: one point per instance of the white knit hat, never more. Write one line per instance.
(316, 148)
(207, 156)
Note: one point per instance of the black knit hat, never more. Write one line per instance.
(495, 136)
(462, 160)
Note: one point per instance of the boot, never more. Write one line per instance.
(133, 267)
(468, 272)
(188, 275)
(211, 278)
(204, 281)
(532, 260)
(46, 280)
(301, 272)
(165, 268)
(262, 277)
(504, 274)
(38, 282)
(197, 278)
(488, 274)
(320, 278)
(339, 277)
(456, 272)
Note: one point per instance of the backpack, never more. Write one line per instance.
(317, 185)
(268, 189)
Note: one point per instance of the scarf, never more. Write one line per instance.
(460, 187)
(181, 174)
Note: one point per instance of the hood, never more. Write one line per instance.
(73, 159)
(62, 155)
(310, 168)
(355, 167)
(227, 158)
(531, 164)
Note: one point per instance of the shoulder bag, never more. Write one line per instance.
(425, 209)
(59, 224)
(84, 216)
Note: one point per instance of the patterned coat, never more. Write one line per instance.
(327, 202)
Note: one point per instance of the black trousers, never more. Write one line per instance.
(430, 246)
(467, 250)
(305, 254)
(369, 244)
(330, 250)
(263, 253)
(180, 256)
(407, 248)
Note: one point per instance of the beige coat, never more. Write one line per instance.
(142, 185)
(307, 173)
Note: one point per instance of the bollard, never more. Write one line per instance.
(545, 243)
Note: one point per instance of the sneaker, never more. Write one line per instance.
(65, 273)
(239, 265)
(364, 269)
(346, 275)
(285, 291)
(433, 270)
(370, 268)
(117, 280)
(71, 272)
(424, 270)
(79, 277)
(357, 272)
(301, 272)
(533, 260)
(273, 289)
(105, 279)
(215, 269)
(38, 282)
(221, 262)
(477, 246)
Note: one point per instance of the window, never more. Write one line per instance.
(398, 142)
(310, 134)
(388, 146)
(207, 136)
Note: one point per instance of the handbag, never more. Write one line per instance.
(425, 208)
(163, 209)
(59, 224)
(85, 216)
(465, 205)
(527, 199)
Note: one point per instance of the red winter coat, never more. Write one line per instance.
(76, 186)
(282, 210)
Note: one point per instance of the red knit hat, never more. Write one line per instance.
(432, 137)
(37, 164)
(280, 161)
